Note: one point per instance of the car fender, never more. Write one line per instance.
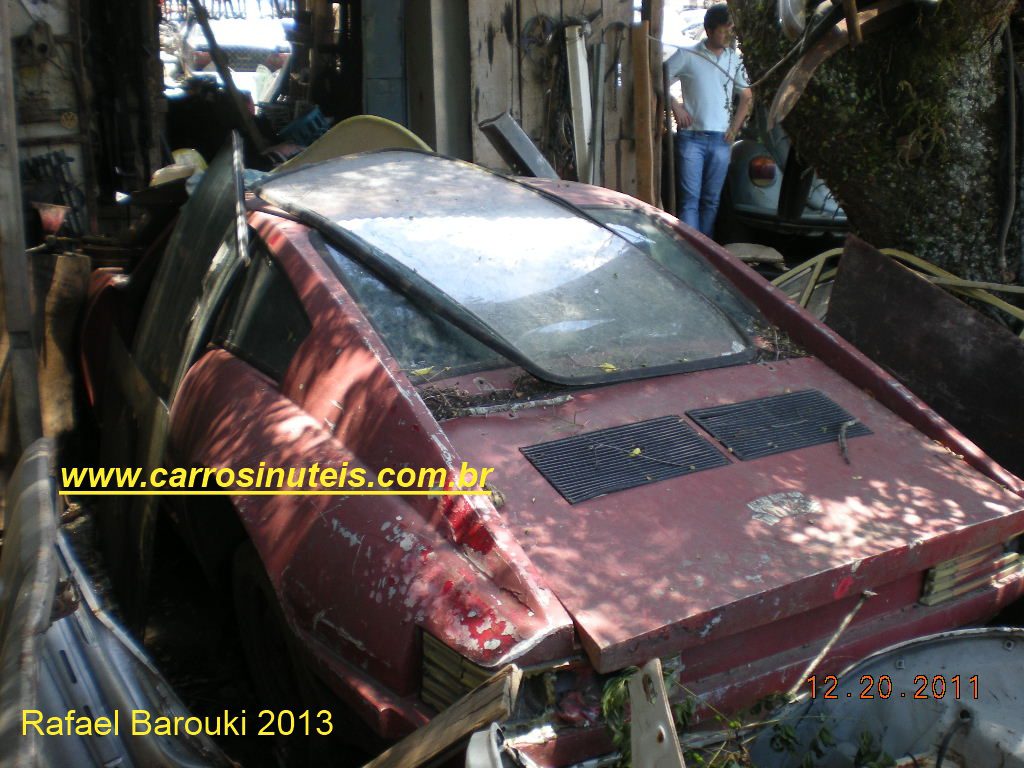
(359, 577)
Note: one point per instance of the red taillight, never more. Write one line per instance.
(762, 170)
(200, 59)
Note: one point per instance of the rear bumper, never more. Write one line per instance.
(769, 221)
(741, 686)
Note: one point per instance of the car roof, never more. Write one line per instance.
(382, 182)
(483, 250)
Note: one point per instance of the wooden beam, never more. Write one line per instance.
(597, 140)
(492, 701)
(852, 23)
(579, 99)
(68, 287)
(660, 104)
(494, 71)
(13, 264)
(653, 739)
(642, 108)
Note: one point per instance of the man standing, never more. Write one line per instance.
(710, 73)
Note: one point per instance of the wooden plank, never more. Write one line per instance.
(658, 123)
(618, 85)
(597, 141)
(594, 11)
(536, 72)
(579, 98)
(620, 149)
(492, 701)
(852, 23)
(620, 165)
(653, 737)
(13, 265)
(68, 281)
(494, 71)
(657, 18)
(642, 113)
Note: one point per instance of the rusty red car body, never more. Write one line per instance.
(683, 569)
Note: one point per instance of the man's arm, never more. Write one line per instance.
(677, 63)
(683, 118)
(742, 110)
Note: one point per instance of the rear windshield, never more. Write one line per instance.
(570, 300)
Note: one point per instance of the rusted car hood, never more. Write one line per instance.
(659, 568)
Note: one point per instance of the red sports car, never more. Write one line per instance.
(686, 464)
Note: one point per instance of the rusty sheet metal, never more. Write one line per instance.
(964, 365)
(62, 654)
(28, 576)
(681, 563)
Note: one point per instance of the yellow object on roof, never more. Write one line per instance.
(361, 133)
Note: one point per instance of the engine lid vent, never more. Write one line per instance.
(776, 424)
(618, 458)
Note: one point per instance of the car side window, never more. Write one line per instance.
(203, 230)
(263, 322)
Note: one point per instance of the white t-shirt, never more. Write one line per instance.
(709, 83)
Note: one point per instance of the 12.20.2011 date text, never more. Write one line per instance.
(882, 687)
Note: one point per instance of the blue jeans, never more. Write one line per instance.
(703, 161)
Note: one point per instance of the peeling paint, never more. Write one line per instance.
(353, 539)
(706, 630)
(319, 619)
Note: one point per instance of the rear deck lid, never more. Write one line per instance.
(679, 560)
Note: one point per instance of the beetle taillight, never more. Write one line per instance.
(953, 578)
(447, 676)
(762, 170)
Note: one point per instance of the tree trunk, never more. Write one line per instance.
(908, 130)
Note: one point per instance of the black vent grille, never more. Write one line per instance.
(777, 424)
(618, 458)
